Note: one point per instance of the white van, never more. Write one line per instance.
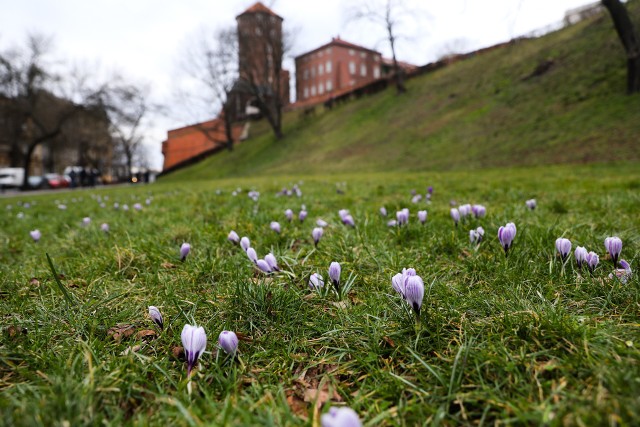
(11, 177)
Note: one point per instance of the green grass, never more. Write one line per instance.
(518, 341)
(477, 113)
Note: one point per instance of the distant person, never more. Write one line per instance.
(83, 177)
(73, 176)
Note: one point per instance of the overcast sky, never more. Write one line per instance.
(142, 38)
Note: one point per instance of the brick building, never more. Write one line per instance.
(333, 68)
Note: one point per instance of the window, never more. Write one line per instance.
(306, 92)
(320, 53)
(320, 69)
(313, 72)
(305, 75)
(313, 91)
(320, 89)
(352, 52)
(363, 70)
(352, 67)
(362, 54)
(328, 66)
(376, 58)
(329, 85)
(376, 72)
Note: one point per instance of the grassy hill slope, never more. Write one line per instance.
(477, 113)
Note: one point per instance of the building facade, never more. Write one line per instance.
(333, 68)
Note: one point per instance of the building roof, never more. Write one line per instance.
(337, 41)
(260, 8)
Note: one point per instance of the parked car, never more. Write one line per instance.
(36, 182)
(11, 177)
(54, 180)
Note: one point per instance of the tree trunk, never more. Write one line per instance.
(30, 150)
(228, 124)
(628, 37)
(399, 77)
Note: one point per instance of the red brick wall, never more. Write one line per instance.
(348, 62)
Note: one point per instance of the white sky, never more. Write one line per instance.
(142, 38)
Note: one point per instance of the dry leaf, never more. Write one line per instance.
(167, 265)
(146, 334)
(121, 331)
(178, 353)
(244, 337)
(297, 405)
(340, 304)
(34, 281)
(133, 349)
(389, 341)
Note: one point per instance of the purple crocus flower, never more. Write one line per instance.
(422, 216)
(334, 274)
(194, 341)
(316, 281)
(479, 211)
(184, 251)
(321, 223)
(104, 227)
(623, 273)
(156, 316)
(137, 206)
(302, 215)
(289, 215)
(275, 226)
(531, 204)
(399, 281)
(343, 213)
(271, 260)
(35, 235)
(581, 255)
(402, 216)
(233, 237)
(392, 223)
(464, 210)
(474, 237)
(592, 260)
(416, 198)
(245, 243)
(563, 246)
(340, 417)
(317, 234)
(228, 341)
(430, 190)
(348, 220)
(86, 221)
(614, 247)
(253, 256)
(263, 266)
(506, 235)
(383, 211)
(455, 215)
(414, 292)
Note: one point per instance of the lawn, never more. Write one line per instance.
(516, 340)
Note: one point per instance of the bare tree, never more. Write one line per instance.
(629, 38)
(389, 14)
(32, 99)
(210, 63)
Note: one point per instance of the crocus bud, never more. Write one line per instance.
(334, 274)
(342, 213)
(228, 341)
(592, 260)
(581, 255)
(233, 237)
(473, 236)
(35, 235)
(480, 232)
(392, 223)
(623, 273)
(86, 221)
(253, 256)
(531, 204)
(155, 315)
(414, 292)
(275, 226)
(455, 215)
(430, 190)
(416, 198)
(402, 216)
(245, 243)
(422, 216)
(321, 223)
(302, 215)
(479, 211)
(194, 341)
(506, 235)
(383, 211)
(340, 417)
(271, 260)
(125, 207)
(624, 265)
(116, 206)
(104, 227)
(316, 281)
(348, 220)
(464, 210)
(563, 246)
(614, 247)
(263, 266)
(317, 234)
(289, 214)
(137, 206)
(184, 251)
